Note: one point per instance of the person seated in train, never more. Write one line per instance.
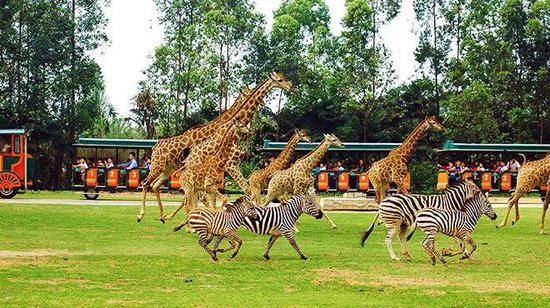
(99, 163)
(109, 163)
(361, 167)
(130, 164)
(80, 167)
(6, 148)
(146, 162)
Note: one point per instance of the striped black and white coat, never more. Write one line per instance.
(211, 224)
(398, 212)
(280, 220)
(455, 223)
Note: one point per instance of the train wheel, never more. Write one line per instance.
(9, 184)
(91, 194)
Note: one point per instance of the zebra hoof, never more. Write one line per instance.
(303, 257)
(139, 219)
(267, 258)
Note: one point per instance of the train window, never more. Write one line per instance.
(17, 145)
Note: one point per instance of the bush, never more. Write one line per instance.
(423, 177)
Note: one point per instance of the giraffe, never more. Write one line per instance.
(531, 174)
(172, 153)
(393, 168)
(298, 179)
(259, 179)
(204, 177)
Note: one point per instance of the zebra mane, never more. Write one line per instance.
(454, 187)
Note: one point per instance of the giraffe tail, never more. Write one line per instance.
(365, 234)
(524, 158)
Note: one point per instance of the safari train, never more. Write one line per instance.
(103, 179)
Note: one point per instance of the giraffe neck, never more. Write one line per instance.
(313, 158)
(224, 148)
(406, 150)
(251, 103)
(284, 158)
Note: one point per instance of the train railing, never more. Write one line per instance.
(102, 179)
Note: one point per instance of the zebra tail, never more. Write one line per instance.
(413, 228)
(365, 234)
(178, 227)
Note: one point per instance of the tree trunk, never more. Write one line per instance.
(435, 60)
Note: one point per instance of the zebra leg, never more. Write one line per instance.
(389, 242)
(427, 243)
(272, 240)
(403, 241)
(544, 209)
(203, 241)
(290, 237)
(232, 236)
(448, 252)
(468, 239)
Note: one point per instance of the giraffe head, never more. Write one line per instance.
(333, 140)
(239, 128)
(302, 134)
(434, 123)
(280, 81)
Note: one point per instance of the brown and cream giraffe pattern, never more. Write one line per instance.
(393, 168)
(182, 150)
(204, 177)
(259, 179)
(298, 179)
(531, 174)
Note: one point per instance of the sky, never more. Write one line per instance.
(134, 32)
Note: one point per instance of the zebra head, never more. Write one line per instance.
(487, 208)
(248, 207)
(472, 191)
(309, 206)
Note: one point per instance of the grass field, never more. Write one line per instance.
(99, 255)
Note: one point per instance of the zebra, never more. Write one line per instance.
(399, 211)
(281, 220)
(211, 224)
(458, 224)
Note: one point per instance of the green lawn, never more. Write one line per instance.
(99, 255)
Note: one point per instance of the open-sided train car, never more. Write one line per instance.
(346, 180)
(17, 166)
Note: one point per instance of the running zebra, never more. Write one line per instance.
(458, 224)
(281, 220)
(399, 211)
(220, 224)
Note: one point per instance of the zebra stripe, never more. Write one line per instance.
(459, 224)
(220, 224)
(399, 211)
(281, 220)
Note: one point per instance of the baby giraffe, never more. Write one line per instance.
(220, 224)
(455, 223)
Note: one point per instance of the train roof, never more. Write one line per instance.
(12, 131)
(115, 143)
(451, 146)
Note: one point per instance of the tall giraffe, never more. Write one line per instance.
(170, 154)
(259, 179)
(298, 179)
(393, 168)
(531, 174)
(204, 177)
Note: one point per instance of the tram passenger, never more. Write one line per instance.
(146, 162)
(130, 164)
(109, 163)
(6, 148)
(80, 167)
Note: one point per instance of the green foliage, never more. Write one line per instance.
(423, 177)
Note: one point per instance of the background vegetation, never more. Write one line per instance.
(483, 67)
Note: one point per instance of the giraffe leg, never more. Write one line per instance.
(156, 189)
(389, 242)
(511, 202)
(151, 179)
(256, 191)
(403, 241)
(516, 210)
(544, 209)
(270, 243)
(235, 173)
